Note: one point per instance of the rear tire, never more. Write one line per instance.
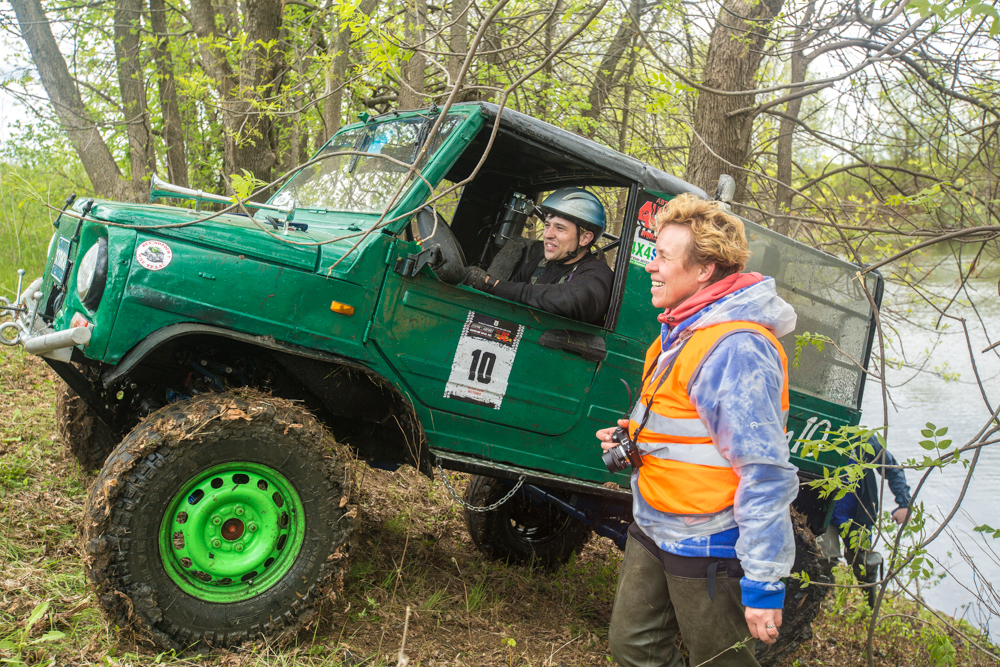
(220, 519)
(86, 437)
(520, 531)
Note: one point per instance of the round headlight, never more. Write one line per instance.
(92, 274)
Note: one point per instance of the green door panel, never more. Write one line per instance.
(418, 328)
(439, 368)
(612, 399)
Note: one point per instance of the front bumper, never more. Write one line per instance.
(27, 329)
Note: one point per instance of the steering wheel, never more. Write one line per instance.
(435, 233)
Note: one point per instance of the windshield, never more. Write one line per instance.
(363, 184)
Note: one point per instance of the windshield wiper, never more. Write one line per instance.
(280, 224)
(360, 144)
(425, 129)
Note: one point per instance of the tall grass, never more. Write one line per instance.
(26, 219)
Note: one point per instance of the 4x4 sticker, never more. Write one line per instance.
(644, 241)
(483, 359)
(154, 255)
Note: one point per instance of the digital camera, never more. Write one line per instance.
(623, 454)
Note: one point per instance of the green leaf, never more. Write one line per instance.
(928, 444)
(988, 530)
(941, 431)
(38, 612)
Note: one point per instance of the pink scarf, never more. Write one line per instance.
(710, 294)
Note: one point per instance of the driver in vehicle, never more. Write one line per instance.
(559, 273)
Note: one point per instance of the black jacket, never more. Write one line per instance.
(580, 291)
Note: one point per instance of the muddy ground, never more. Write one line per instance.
(411, 558)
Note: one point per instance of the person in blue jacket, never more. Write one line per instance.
(855, 515)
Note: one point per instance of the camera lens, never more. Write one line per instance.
(616, 459)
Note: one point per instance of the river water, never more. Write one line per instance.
(916, 398)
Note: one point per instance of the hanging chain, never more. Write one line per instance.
(473, 508)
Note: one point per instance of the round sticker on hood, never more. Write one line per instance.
(154, 255)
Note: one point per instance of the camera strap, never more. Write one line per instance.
(663, 378)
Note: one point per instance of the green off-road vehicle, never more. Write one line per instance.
(236, 362)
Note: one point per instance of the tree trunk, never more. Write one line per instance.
(336, 74)
(734, 55)
(132, 84)
(173, 128)
(288, 126)
(786, 129)
(249, 134)
(607, 75)
(83, 133)
(250, 141)
(458, 38)
(411, 85)
(548, 92)
(627, 97)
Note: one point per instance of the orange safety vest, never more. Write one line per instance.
(682, 470)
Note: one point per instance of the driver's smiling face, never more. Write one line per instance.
(561, 238)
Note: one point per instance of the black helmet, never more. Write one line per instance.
(578, 206)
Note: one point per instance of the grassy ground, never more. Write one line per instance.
(411, 552)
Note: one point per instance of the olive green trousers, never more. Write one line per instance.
(652, 606)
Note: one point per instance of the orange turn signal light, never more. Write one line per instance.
(78, 321)
(341, 308)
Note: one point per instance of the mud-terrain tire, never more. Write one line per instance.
(802, 603)
(519, 531)
(220, 519)
(85, 436)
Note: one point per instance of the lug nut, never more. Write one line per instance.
(239, 547)
(252, 527)
(216, 543)
(216, 520)
(239, 510)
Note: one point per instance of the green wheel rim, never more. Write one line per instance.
(232, 532)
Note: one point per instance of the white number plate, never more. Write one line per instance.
(483, 359)
(62, 259)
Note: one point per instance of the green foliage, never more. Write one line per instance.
(988, 530)
(20, 643)
(28, 196)
(478, 595)
(933, 435)
(949, 10)
(942, 651)
(933, 443)
(806, 339)
(246, 185)
(927, 199)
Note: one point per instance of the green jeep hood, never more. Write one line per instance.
(240, 235)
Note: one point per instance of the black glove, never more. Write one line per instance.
(476, 278)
